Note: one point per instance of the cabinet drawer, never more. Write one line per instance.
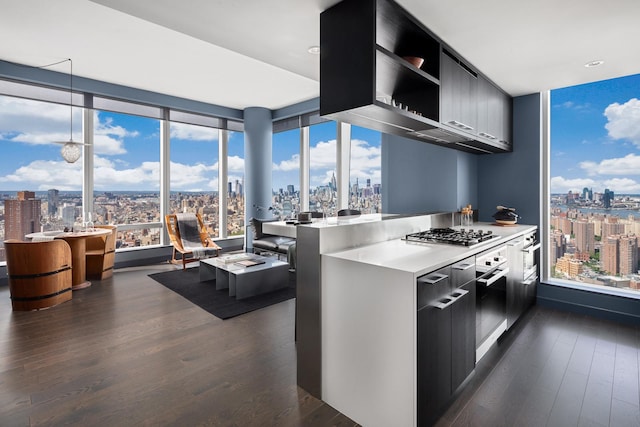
(433, 286)
(463, 272)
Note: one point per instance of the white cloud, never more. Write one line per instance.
(323, 155)
(192, 132)
(287, 165)
(560, 184)
(570, 105)
(235, 164)
(624, 121)
(44, 174)
(627, 165)
(622, 185)
(364, 156)
(37, 123)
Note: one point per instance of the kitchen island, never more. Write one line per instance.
(368, 323)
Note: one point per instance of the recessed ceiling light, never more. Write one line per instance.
(315, 50)
(592, 64)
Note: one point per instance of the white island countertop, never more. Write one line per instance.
(418, 258)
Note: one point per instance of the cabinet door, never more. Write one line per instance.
(506, 111)
(494, 112)
(458, 95)
(434, 362)
(434, 346)
(463, 336)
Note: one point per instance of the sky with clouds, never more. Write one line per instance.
(127, 152)
(595, 143)
(595, 137)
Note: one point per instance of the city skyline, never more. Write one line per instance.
(595, 137)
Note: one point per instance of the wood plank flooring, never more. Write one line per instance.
(555, 369)
(128, 352)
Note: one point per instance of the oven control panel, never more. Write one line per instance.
(492, 259)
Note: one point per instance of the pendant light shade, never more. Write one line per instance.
(71, 151)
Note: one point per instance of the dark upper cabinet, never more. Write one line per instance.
(494, 113)
(458, 94)
(363, 77)
(366, 80)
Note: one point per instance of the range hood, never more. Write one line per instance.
(439, 135)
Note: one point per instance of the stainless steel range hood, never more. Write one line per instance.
(440, 135)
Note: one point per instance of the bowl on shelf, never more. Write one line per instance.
(416, 61)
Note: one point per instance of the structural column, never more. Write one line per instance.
(258, 158)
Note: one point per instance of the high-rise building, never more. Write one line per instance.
(628, 255)
(611, 228)
(585, 236)
(607, 198)
(53, 197)
(610, 254)
(22, 215)
(558, 246)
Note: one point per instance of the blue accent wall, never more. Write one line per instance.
(514, 179)
(419, 177)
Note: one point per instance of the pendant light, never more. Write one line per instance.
(71, 150)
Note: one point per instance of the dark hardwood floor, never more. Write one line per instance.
(555, 369)
(128, 351)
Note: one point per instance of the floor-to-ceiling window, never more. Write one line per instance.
(323, 185)
(285, 178)
(594, 200)
(235, 184)
(33, 166)
(127, 176)
(194, 172)
(365, 170)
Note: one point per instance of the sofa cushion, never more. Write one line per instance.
(274, 243)
(256, 227)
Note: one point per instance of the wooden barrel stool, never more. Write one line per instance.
(39, 273)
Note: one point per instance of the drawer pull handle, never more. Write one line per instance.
(451, 299)
(432, 279)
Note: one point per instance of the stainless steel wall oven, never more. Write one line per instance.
(491, 297)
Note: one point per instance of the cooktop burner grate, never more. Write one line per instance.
(463, 237)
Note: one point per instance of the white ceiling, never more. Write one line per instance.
(242, 53)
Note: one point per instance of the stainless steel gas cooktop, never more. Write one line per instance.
(462, 236)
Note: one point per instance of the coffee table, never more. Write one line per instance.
(245, 281)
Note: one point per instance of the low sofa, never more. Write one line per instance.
(260, 241)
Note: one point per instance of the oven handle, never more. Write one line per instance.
(532, 248)
(493, 279)
(450, 299)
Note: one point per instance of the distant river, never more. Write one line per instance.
(622, 213)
